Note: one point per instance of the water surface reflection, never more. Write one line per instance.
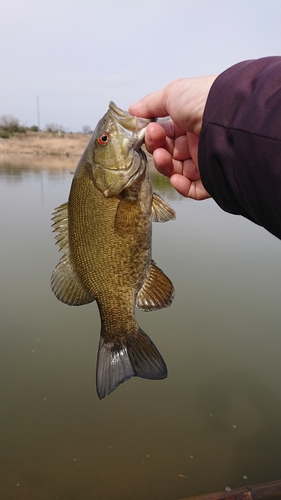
(214, 422)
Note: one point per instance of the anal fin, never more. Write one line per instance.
(157, 290)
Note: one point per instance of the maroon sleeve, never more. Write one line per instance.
(240, 142)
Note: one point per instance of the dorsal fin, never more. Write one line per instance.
(60, 225)
(65, 282)
(161, 210)
(157, 290)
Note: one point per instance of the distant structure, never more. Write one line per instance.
(38, 113)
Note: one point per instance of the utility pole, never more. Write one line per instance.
(38, 113)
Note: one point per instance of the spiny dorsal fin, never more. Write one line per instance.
(161, 210)
(156, 292)
(60, 225)
(65, 282)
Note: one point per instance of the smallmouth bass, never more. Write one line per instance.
(104, 232)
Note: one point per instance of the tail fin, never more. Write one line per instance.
(135, 357)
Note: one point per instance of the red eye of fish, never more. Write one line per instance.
(103, 139)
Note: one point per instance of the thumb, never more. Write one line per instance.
(151, 106)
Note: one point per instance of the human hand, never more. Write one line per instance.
(174, 143)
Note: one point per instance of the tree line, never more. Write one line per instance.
(9, 126)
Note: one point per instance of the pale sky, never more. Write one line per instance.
(77, 55)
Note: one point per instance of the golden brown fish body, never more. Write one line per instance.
(105, 234)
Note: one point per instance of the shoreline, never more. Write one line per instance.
(46, 150)
(36, 150)
(45, 144)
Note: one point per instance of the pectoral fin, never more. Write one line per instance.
(125, 217)
(161, 210)
(156, 292)
(65, 282)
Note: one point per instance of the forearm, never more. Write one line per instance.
(240, 142)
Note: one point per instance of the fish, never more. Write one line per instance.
(105, 232)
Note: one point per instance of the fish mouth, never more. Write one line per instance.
(133, 126)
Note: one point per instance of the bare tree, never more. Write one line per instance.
(8, 121)
(86, 129)
(54, 128)
(9, 125)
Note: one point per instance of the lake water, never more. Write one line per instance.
(215, 422)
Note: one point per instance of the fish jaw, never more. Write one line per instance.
(113, 156)
(130, 125)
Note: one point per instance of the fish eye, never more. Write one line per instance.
(103, 139)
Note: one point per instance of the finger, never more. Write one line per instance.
(167, 165)
(172, 130)
(190, 170)
(155, 137)
(193, 143)
(163, 162)
(180, 149)
(188, 188)
(160, 135)
(150, 106)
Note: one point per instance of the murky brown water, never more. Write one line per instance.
(214, 422)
